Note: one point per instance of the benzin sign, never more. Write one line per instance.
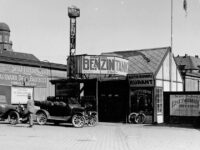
(103, 65)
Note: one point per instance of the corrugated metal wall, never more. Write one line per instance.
(43, 93)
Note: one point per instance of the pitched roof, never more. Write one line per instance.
(27, 60)
(18, 55)
(144, 60)
(189, 62)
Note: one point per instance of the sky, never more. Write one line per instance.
(41, 27)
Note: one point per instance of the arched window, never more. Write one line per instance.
(6, 38)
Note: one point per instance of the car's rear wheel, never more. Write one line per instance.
(41, 118)
(13, 117)
(78, 121)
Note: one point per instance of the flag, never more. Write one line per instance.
(185, 5)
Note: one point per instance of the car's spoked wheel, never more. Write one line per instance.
(13, 118)
(78, 121)
(92, 121)
(41, 118)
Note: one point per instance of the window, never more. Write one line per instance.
(141, 100)
(159, 99)
(6, 38)
(1, 39)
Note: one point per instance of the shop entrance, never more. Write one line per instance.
(142, 100)
(113, 101)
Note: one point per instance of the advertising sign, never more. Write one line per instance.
(141, 80)
(73, 33)
(100, 64)
(22, 75)
(184, 105)
(19, 95)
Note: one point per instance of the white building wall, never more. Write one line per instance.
(192, 84)
(169, 78)
(166, 65)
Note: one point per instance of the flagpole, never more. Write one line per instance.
(171, 24)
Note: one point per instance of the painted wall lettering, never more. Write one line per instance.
(139, 80)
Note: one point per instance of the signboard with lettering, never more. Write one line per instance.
(141, 80)
(23, 76)
(100, 64)
(19, 95)
(184, 105)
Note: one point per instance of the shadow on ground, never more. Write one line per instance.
(24, 125)
(188, 126)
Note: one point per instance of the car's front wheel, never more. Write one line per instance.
(41, 118)
(78, 121)
(92, 121)
(13, 117)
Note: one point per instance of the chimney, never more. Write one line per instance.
(185, 56)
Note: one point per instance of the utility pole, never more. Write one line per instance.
(73, 13)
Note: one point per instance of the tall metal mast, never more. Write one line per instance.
(172, 24)
(73, 13)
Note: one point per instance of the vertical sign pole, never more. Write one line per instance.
(73, 13)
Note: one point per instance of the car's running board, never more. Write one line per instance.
(61, 118)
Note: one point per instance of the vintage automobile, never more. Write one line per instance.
(6, 110)
(14, 113)
(64, 109)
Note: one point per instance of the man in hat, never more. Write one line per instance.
(31, 109)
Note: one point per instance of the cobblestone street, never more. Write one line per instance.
(105, 136)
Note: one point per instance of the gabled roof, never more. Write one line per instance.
(144, 60)
(188, 62)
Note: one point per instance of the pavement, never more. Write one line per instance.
(104, 136)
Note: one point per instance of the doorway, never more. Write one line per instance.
(113, 101)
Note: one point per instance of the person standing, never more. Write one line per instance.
(31, 110)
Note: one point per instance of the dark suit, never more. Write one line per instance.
(31, 110)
